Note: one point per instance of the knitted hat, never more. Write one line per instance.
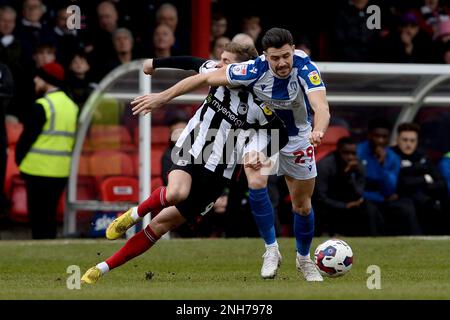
(52, 73)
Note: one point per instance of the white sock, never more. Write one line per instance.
(272, 245)
(134, 214)
(103, 266)
(303, 257)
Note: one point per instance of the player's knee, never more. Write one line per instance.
(303, 208)
(160, 227)
(256, 181)
(176, 194)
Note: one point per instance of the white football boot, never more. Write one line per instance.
(272, 260)
(308, 268)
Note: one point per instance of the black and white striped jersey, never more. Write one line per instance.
(216, 135)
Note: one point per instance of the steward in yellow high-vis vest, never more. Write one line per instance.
(50, 155)
(44, 150)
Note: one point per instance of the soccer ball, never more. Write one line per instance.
(334, 258)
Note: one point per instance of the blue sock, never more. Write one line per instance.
(263, 213)
(304, 232)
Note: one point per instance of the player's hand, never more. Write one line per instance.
(352, 165)
(316, 138)
(148, 66)
(355, 204)
(255, 160)
(147, 103)
(220, 206)
(380, 154)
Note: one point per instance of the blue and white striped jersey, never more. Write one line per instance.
(286, 96)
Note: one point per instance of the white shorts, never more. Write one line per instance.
(299, 164)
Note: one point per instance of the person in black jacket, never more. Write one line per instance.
(420, 181)
(6, 93)
(339, 192)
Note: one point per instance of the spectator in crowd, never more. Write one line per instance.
(103, 47)
(409, 44)
(353, 41)
(391, 214)
(430, 15)
(339, 192)
(443, 41)
(217, 48)
(32, 30)
(45, 53)
(108, 17)
(163, 41)
(243, 39)
(419, 180)
(44, 149)
(123, 42)
(79, 81)
(67, 41)
(10, 47)
(219, 25)
(167, 14)
(252, 26)
(11, 53)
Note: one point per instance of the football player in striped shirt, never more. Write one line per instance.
(256, 168)
(206, 154)
(290, 83)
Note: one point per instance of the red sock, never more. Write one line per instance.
(155, 203)
(138, 244)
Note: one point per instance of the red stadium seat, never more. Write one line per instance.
(329, 141)
(13, 132)
(111, 163)
(18, 212)
(86, 188)
(120, 189)
(110, 137)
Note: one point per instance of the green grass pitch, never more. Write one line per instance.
(411, 268)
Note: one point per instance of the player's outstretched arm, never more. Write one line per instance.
(174, 62)
(147, 103)
(319, 104)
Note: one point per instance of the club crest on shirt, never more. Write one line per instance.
(314, 78)
(239, 70)
(243, 108)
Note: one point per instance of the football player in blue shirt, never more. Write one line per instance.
(291, 85)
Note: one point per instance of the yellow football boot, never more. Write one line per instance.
(91, 276)
(120, 225)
